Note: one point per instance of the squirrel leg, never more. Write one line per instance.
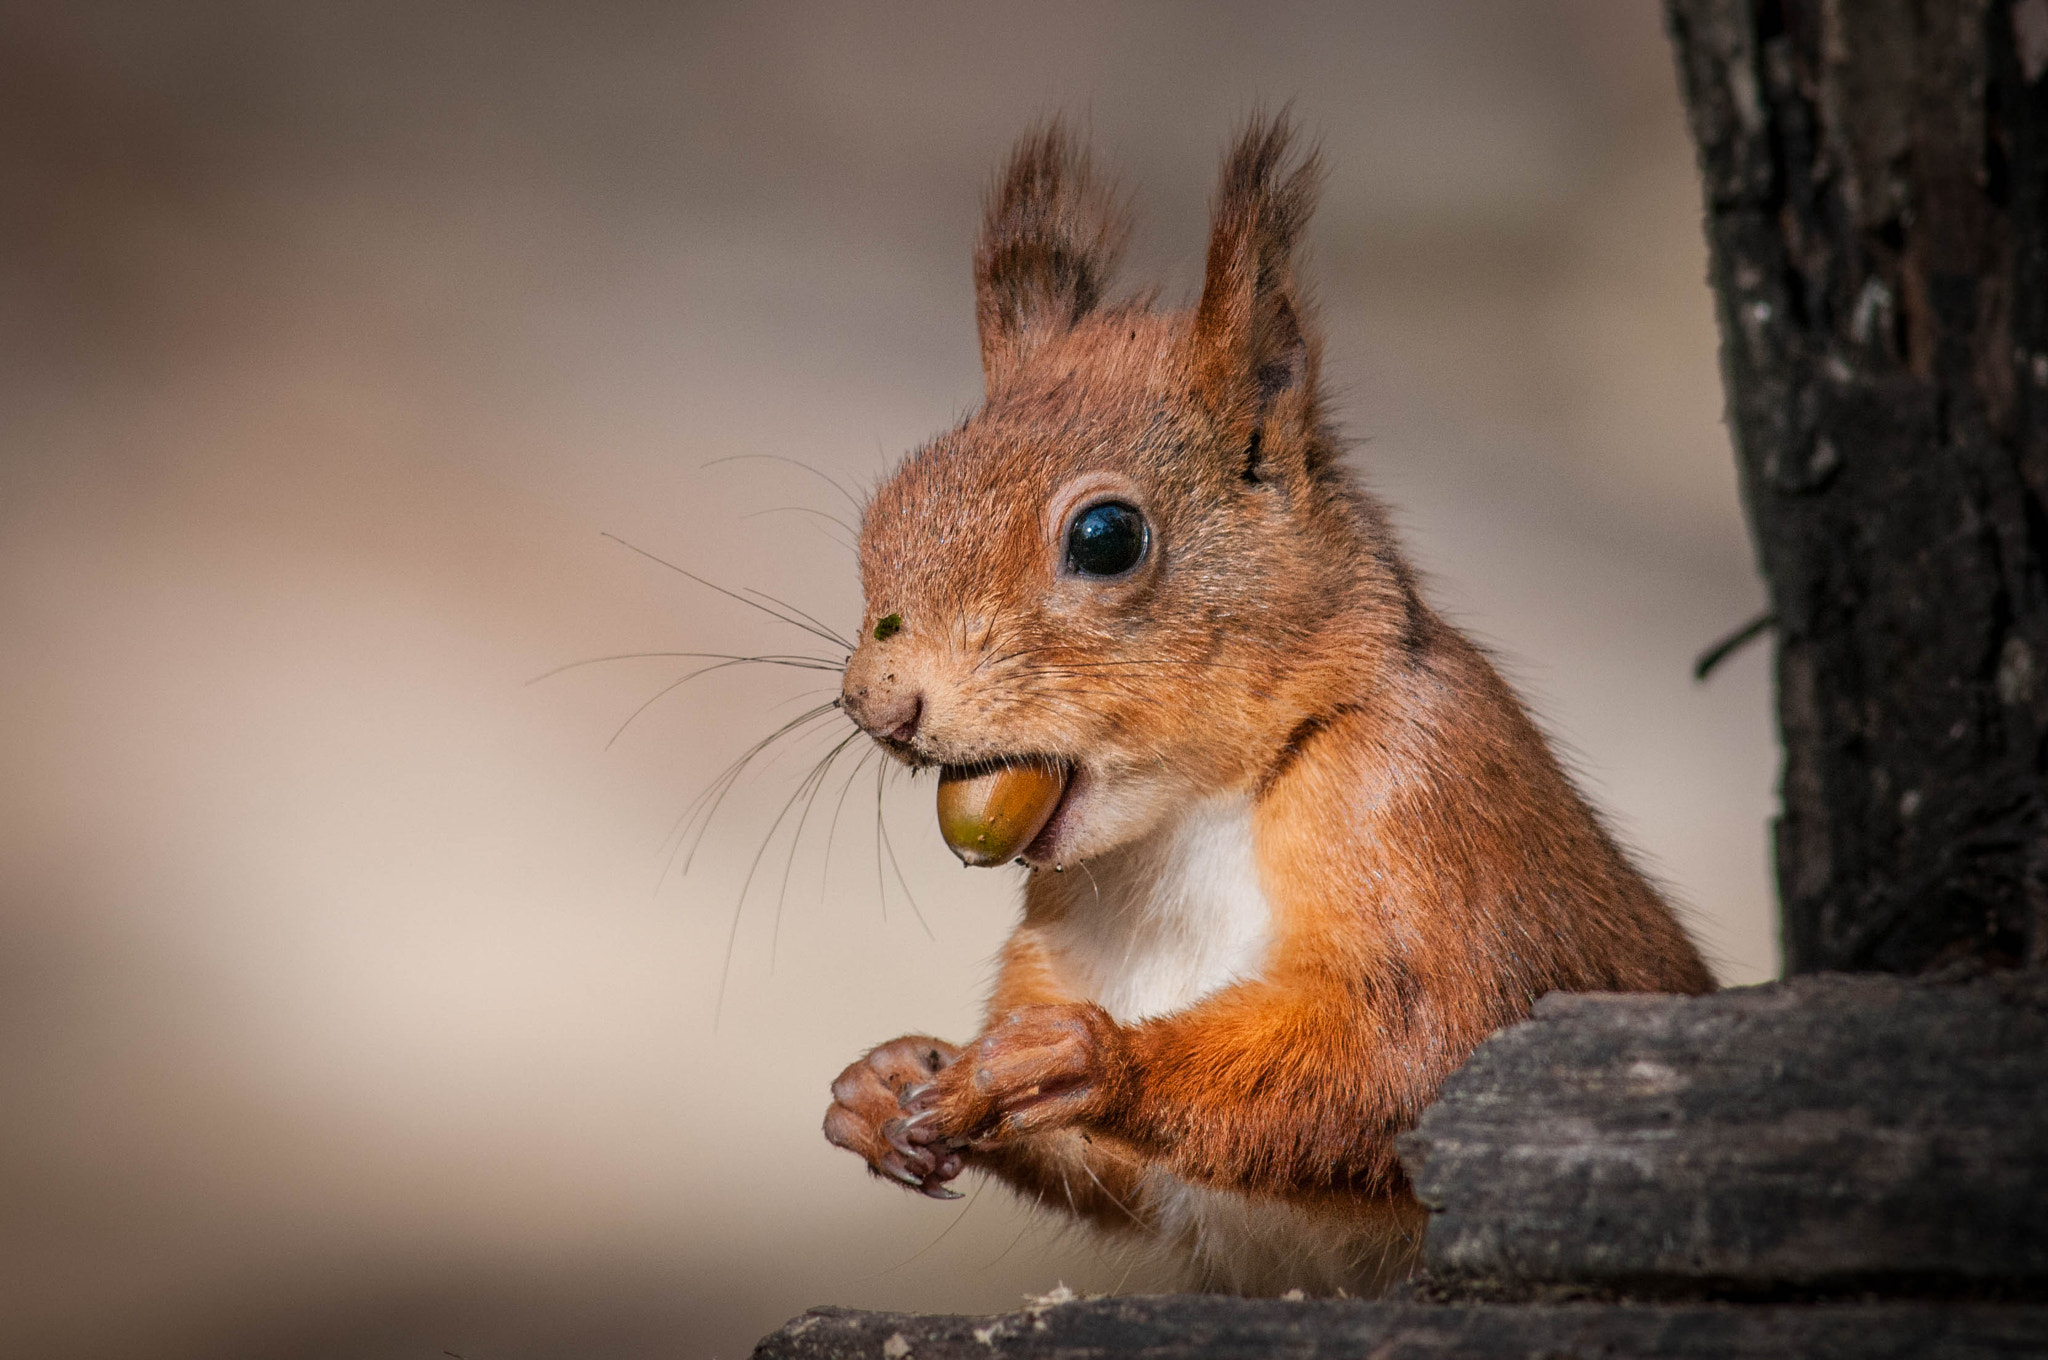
(1235, 1092)
(1280, 1089)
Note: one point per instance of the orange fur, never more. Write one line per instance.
(1376, 859)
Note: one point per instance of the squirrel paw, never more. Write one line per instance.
(1040, 1068)
(868, 1116)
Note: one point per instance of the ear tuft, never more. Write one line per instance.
(1050, 237)
(1251, 339)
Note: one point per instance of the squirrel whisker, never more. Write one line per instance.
(709, 799)
(882, 838)
(826, 515)
(733, 931)
(816, 781)
(825, 477)
(796, 661)
(825, 630)
(813, 627)
(832, 828)
(677, 684)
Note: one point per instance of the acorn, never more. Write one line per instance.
(988, 815)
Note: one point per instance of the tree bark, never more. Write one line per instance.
(1876, 180)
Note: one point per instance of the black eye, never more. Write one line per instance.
(1106, 539)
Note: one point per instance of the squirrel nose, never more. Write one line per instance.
(885, 707)
(898, 720)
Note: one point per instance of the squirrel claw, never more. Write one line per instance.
(897, 1134)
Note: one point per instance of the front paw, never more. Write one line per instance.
(1040, 1068)
(868, 1115)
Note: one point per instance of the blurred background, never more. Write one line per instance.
(350, 1003)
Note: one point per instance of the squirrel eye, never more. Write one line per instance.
(1106, 539)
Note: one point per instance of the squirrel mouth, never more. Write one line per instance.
(989, 813)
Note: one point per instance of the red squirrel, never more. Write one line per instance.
(1301, 848)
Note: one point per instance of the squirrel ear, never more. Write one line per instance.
(1251, 341)
(1050, 237)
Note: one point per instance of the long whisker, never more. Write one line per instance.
(901, 881)
(1103, 694)
(881, 883)
(1016, 1241)
(712, 795)
(1093, 882)
(832, 830)
(796, 661)
(1129, 670)
(734, 771)
(1055, 702)
(1112, 663)
(802, 695)
(1086, 672)
(816, 779)
(814, 628)
(802, 510)
(827, 478)
(1044, 703)
(732, 936)
(764, 595)
(1107, 1194)
(677, 684)
(980, 1184)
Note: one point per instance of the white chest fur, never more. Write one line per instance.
(1156, 926)
(1152, 929)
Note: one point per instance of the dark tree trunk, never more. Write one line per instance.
(1876, 178)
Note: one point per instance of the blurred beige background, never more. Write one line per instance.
(345, 1008)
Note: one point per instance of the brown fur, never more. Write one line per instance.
(1429, 869)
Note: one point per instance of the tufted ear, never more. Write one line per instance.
(1050, 237)
(1255, 356)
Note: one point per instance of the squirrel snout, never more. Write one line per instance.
(893, 716)
(899, 721)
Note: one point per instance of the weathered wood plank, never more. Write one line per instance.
(1175, 1326)
(1829, 1133)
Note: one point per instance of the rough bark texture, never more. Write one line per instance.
(1173, 1327)
(1876, 178)
(1829, 1135)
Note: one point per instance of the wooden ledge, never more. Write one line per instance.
(1205, 1327)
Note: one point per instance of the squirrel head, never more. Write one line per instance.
(1139, 560)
